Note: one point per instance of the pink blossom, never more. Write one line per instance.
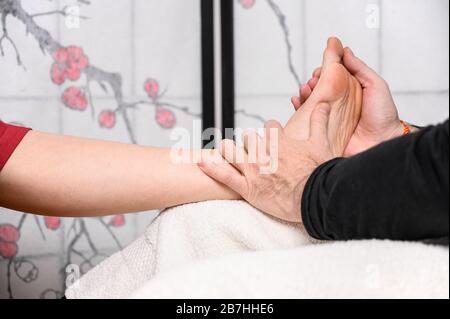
(151, 86)
(69, 62)
(74, 98)
(107, 119)
(52, 223)
(117, 221)
(58, 74)
(9, 233)
(247, 4)
(77, 58)
(8, 250)
(165, 118)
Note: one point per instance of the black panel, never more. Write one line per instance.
(228, 81)
(207, 16)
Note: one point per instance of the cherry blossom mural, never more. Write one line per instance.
(71, 63)
(27, 271)
(74, 74)
(9, 235)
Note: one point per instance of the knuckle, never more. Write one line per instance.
(272, 124)
(227, 178)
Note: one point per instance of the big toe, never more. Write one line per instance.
(334, 52)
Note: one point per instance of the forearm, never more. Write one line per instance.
(67, 176)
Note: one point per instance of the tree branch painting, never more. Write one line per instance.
(281, 19)
(70, 66)
(71, 62)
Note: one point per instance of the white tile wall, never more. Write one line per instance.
(261, 53)
(410, 49)
(151, 134)
(33, 79)
(344, 19)
(41, 113)
(167, 46)
(47, 278)
(423, 109)
(138, 39)
(106, 37)
(84, 124)
(415, 44)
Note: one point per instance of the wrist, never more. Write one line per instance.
(403, 129)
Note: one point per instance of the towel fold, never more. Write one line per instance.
(182, 235)
(360, 269)
(223, 249)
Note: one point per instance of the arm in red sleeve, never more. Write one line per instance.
(10, 137)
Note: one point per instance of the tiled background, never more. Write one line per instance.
(160, 39)
(410, 49)
(138, 39)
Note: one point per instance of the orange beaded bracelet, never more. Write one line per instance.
(406, 128)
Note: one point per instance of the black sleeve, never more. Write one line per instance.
(398, 190)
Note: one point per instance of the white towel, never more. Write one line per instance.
(366, 269)
(229, 249)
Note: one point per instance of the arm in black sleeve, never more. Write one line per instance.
(398, 190)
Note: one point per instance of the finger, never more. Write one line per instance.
(296, 102)
(236, 156)
(252, 145)
(273, 130)
(334, 52)
(305, 93)
(365, 75)
(225, 174)
(319, 122)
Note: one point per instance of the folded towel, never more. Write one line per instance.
(182, 235)
(360, 269)
(225, 249)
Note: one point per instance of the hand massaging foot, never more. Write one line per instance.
(338, 88)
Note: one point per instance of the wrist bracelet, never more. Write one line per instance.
(406, 128)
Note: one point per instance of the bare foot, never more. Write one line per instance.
(338, 88)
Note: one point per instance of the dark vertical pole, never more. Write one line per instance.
(207, 27)
(228, 88)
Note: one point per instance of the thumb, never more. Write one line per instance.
(365, 75)
(319, 122)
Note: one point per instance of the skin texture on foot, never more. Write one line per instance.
(380, 120)
(341, 91)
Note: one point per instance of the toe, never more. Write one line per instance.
(317, 72)
(334, 52)
(313, 83)
(296, 102)
(305, 93)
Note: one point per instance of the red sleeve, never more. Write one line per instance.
(10, 137)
